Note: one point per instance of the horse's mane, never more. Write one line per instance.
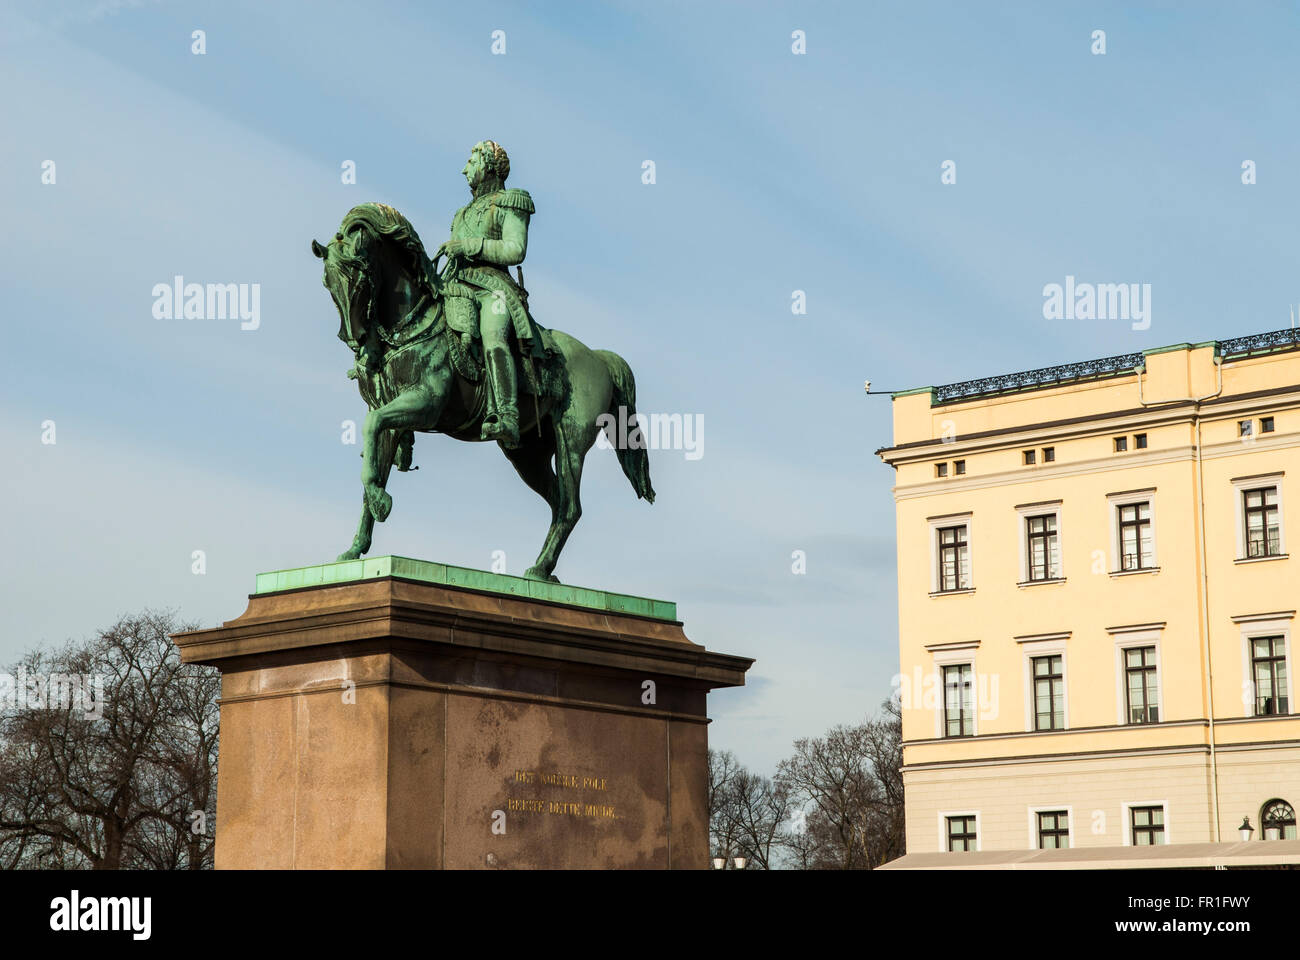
(385, 222)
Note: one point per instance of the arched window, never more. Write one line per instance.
(1278, 819)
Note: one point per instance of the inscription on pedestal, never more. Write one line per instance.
(580, 806)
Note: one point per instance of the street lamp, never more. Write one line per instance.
(1245, 830)
(866, 386)
(737, 863)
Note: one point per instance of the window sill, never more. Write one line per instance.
(1130, 573)
(1272, 556)
(951, 593)
(1034, 583)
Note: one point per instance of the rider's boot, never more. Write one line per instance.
(502, 421)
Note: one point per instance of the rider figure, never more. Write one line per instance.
(489, 235)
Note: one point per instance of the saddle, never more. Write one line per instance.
(464, 340)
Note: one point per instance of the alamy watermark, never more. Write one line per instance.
(179, 300)
(973, 694)
(1098, 301)
(55, 691)
(656, 431)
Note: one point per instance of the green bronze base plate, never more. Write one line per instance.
(424, 571)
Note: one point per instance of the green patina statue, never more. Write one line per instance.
(452, 351)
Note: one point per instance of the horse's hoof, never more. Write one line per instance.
(536, 573)
(350, 555)
(381, 504)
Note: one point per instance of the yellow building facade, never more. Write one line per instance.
(1096, 601)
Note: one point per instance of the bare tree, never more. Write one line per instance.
(802, 846)
(723, 768)
(128, 784)
(885, 751)
(761, 811)
(832, 776)
(849, 788)
(748, 813)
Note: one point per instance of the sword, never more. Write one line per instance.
(532, 370)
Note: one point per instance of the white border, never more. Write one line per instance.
(1127, 641)
(1239, 488)
(936, 524)
(1113, 502)
(955, 658)
(1034, 811)
(1254, 629)
(1042, 648)
(1022, 519)
(943, 829)
(1128, 818)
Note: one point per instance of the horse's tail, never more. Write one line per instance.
(634, 460)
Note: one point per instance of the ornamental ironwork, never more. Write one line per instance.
(1260, 343)
(1037, 379)
(1235, 348)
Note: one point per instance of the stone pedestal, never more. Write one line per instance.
(390, 713)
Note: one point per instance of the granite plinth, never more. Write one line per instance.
(390, 721)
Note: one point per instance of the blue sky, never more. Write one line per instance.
(775, 173)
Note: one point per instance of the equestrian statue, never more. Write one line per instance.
(458, 352)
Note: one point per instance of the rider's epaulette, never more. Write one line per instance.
(516, 199)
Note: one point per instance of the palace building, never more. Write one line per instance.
(1097, 610)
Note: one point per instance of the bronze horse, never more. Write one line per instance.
(418, 374)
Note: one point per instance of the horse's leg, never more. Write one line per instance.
(574, 428)
(532, 460)
(361, 539)
(387, 446)
(416, 408)
(574, 436)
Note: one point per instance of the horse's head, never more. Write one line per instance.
(375, 252)
(350, 277)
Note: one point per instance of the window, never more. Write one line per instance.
(1265, 424)
(1135, 551)
(1140, 685)
(1029, 458)
(1140, 441)
(1263, 535)
(1244, 428)
(1043, 552)
(951, 554)
(1147, 825)
(958, 701)
(961, 832)
(1043, 660)
(1053, 829)
(954, 559)
(1049, 693)
(1278, 820)
(1049, 454)
(1132, 531)
(1121, 444)
(1138, 697)
(959, 467)
(1268, 668)
(941, 469)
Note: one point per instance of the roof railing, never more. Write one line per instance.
(1084, 370)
